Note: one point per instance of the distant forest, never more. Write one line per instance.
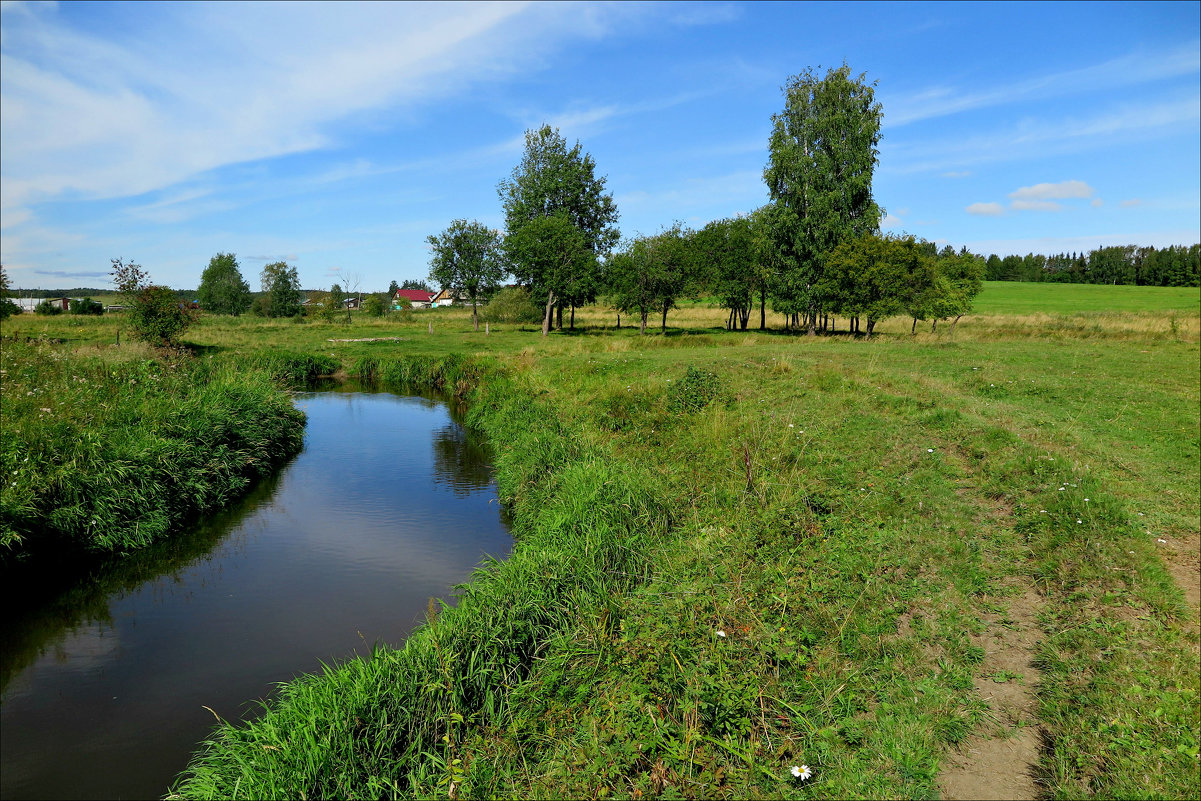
(1177, 265)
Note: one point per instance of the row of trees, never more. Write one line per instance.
(223, 290)
(1177, 265)
(814, 251)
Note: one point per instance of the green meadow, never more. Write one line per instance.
(743, 552)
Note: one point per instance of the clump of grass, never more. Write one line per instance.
(104, 457)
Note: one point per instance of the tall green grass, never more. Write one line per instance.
(388, 725)
(102, 455)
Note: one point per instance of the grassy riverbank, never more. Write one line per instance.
(106, 450)
(809, 551)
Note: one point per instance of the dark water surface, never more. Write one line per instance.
(104, 682)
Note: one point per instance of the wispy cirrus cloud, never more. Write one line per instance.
(986, 209)
(92, 117)
(1049, 191)
(1128, 70)
(1039, 138)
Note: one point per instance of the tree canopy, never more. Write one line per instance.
(553, 181)
(282, 284)
(467, 259)
(222, 288)
(819, 174)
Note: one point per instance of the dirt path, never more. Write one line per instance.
(1181, 558)
(997, 761)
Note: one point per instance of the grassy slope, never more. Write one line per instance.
(848, 513)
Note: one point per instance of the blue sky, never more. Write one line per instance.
(337, 137)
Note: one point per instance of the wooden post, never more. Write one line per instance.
(487, 329)
(431, 327)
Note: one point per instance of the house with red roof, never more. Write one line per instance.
(418, 297)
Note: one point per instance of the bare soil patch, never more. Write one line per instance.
(998, 761)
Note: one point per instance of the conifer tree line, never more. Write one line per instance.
(1176, 265)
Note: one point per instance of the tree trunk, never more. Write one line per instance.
(762, 309)
(642, 324)
(913, 328)
(550, 304)
(573, 316)
(870, 325)
(559, 315)
(475, 318)
(933, 325)
(730, 320)
(812, 315)
(953, 323)
(664, 327)
(619, 321)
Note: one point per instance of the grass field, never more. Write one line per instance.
(891, 561)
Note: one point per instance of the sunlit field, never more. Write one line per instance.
(784, 550)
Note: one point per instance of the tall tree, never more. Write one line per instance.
(819, 174)
(392, 287)
(222, 288)
(466, 259)
(283, 285)
(554, 181)
(551, 252)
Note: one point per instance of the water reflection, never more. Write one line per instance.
(390, 502)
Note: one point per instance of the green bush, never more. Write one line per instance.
(511, 305)
(48, 307)
(157, 315)
(86, 306)
(8, 308)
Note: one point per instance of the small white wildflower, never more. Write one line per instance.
(721, 633)
(1165, 542)
(1078, 520)
(1086, 500)
(1140, 514)
(801, 772)
(1042, 511)
(929, 450)
(790, 425)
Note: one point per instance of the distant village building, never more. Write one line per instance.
(419, 298)
(446, 298)
(29, 304)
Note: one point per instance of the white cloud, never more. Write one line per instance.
(1096, 203)
(891, 221)
(986, 209)
(1131, 203)
(957, 174)
(1035, 205)
(94, 118)
(1059, 191)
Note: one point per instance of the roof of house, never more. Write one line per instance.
(415, 295)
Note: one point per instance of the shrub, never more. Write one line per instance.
(8, 308)
(511, 305)
(157, 316)
(374, 305)
(86, 306)
(48, 307)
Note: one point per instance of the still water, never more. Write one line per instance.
(104, 683)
